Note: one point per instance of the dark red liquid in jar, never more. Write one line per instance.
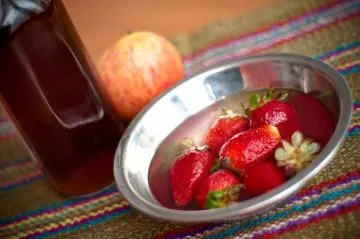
(48, 87)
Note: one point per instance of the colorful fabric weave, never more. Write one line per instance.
(328, 207)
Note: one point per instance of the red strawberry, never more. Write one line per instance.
(279, 114)
(249, 148)
(317, 122)
(189, 168)
(262, 178)
(218, 189)
(223, 129)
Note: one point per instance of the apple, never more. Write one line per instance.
(136, 69)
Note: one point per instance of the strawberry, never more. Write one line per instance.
(249, 148)
(317, 122)
(279, 114)
(223, 129)
(189, 168)
(257, 100)
(262, 178)
(218, 189)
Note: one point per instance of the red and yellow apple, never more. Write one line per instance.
(136, 69)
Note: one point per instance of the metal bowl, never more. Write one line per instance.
(141, 162)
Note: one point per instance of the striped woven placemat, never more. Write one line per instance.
(328, 207)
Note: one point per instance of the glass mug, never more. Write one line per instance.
(48, 87)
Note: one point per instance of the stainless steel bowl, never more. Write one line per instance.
(141, 160)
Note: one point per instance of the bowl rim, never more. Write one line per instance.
(263, 201)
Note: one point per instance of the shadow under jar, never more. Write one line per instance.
(48, 87)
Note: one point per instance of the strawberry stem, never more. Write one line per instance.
(234, 192)
(270, 93)
(257, 100)
(227, 111)
(187, 142)
(217, 195)
(216, 166)
(214, 199)
(247, 110)
(210, 203)
(254, 100)
(179, 147)
(217, 199)
(282, 96)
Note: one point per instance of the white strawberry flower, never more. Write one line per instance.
(298, 154)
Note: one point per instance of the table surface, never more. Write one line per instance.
(101, 23)
(327, 207)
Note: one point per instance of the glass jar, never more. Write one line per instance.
(49, 88)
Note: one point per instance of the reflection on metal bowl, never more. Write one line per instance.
(141, 165)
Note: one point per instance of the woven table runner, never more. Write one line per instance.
(328, 207)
